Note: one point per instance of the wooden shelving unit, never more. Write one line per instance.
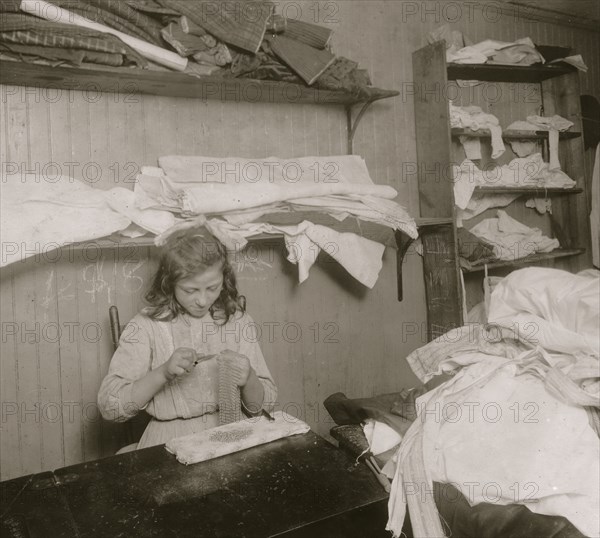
(490, 72)
(528, 191)
(513, 134)
(522, 262)
(436, 143)
(132, 82)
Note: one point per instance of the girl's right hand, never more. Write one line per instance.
(180, 363)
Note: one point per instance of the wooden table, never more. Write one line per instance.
(300, 486)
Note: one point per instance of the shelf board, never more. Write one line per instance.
(468, 267)
(131, 82)
(510, 134)
(507, 73)
(369, 230)
(433, 221)
(533, 191)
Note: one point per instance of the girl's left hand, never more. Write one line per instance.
(239, 364)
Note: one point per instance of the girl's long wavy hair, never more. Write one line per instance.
(187, 253)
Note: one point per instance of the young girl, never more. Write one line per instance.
(166, 362)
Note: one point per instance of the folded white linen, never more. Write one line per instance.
(236, 170)
(38, 216)
(511, 239)
(122, 201)
(210, 198)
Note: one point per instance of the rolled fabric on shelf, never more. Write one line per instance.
(51, 12)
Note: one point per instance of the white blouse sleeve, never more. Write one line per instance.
(131, 361)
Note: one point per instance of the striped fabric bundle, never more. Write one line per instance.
(310, 34)
(58, 55)
(239, 23)
(117, 15)
(308, 62)
(26, 30)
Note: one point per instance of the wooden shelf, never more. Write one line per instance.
(433, 221)
(132, 82)
(528, 260)
(369, 230)
(510, 134)
(532, 191)
(507, 73)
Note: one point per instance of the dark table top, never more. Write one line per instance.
(264, 491)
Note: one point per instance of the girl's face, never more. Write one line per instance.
(198, 293)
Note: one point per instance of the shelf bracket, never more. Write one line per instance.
(403, 242)
(353, 124)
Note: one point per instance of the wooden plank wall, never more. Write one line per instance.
(328, 334)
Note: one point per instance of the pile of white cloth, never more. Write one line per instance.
(474, 118)
(40, 214)
(512, 239)
(242, 190)
(519, 52)
(530, 171)
(229, 196)
(510, 428)
(552, 124)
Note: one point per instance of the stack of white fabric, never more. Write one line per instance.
(530, 171)
(40, 214)
(511, 239)
(511, 429)
(231, 195)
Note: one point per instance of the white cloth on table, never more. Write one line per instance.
(562, 306)
(233, 437)
(512, 427)
(524, 444)
(511, 239)
(380, 436)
